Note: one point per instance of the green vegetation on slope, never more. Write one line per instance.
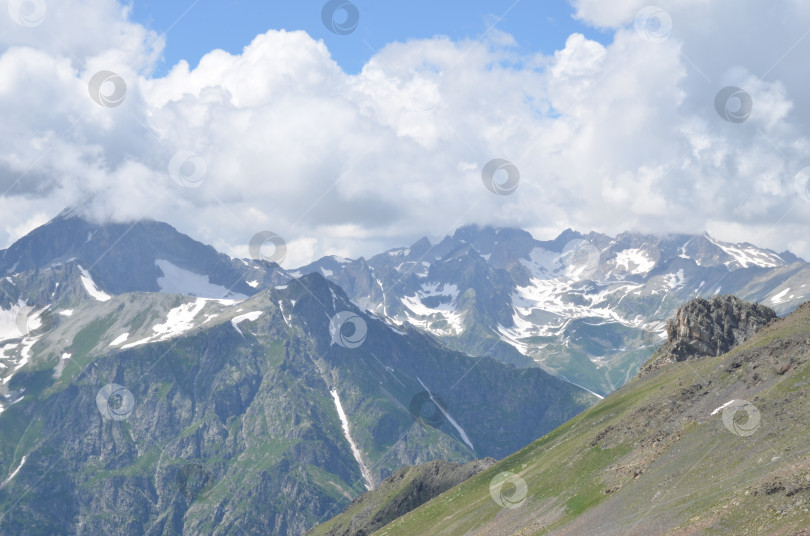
(652, 459)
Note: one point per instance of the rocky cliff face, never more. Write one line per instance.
(709, 328)
(168, 415)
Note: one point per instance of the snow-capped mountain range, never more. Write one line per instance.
(153, 372)
(589, 308)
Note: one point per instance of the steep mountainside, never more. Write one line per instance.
(149, 384)
(716, 445)
(589, 308)
(406, 489)
(155, 413)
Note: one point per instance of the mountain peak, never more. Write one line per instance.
(421, 246)
(67, 213)
(145, 255)
(475, 234)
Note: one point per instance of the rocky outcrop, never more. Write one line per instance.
(403, 491)
(710, 327)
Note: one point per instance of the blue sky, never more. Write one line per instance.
(195, 29)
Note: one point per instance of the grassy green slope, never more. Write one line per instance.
(651, 459)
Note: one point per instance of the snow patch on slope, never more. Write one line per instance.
(120, 339)
(781, 297)
(634, 261)
(427, 317)
(17, 470)
(8, 323)
(675, 280)
(355, 450)
(91, 287)
(449, 417)
(251, 316)
(543, 263)
(178, 321)
(721, 408)
(746, 255)
(176, 280)
(597, 395)
(542, 307)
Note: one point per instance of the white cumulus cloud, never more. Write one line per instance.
(615, 137)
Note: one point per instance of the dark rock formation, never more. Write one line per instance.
(709, 328)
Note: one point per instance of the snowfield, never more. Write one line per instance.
(420, 314)
(91, 287)
(634, 261)
(178, 321)
(176, 280)
(251, 316)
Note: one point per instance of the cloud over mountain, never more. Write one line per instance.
(279, 137)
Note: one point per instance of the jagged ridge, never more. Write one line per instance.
(709, 328)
